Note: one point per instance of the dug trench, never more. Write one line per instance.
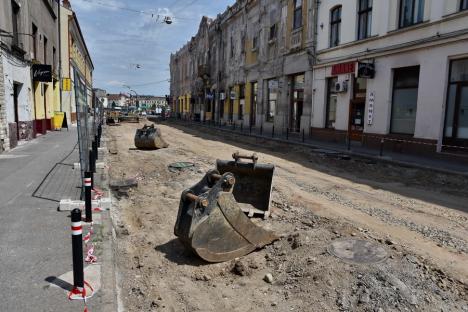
(418, 216)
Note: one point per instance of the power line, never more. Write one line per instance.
(96, 2)
(149, 83)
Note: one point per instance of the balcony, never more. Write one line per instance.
(296, 39)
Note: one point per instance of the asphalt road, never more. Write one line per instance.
(35, 239)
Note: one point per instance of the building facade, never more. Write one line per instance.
(251, 65)
(77, 65)
(395, 71)
(359, 71)
(29, 38)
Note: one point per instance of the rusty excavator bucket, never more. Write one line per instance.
(253, 183)
(211, 223)
(149, 138)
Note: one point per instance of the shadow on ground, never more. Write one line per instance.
(175, 252)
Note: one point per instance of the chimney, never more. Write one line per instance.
(66, 4)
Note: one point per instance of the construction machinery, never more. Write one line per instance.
(253, 183)
(112, 117)
(211, 223)
(149, 138)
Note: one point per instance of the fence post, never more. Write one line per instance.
(88, 188)
(77, 252)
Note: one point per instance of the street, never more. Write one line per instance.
(419, 217)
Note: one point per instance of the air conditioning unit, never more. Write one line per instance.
(341, 86)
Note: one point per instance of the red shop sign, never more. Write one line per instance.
(344, 68)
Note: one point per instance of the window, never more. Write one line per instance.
(411, 12)
(232, 47)
(34, 39)
(405, 99)
(297, 20)
(241, 101)
(335, 26)
(45, 50)
(15, 9)
(272, 35)
(456, 119)
(463, 5)
(364, 19)
(255, 43)
(332, 100)
(272, 99)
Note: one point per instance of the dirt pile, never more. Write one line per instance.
(317, 200)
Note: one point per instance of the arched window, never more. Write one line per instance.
(335, 26)
(411, 12)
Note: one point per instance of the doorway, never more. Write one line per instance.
(456, 119)
(357, 109)
(297, 102)
(16, 89)
(253, 104)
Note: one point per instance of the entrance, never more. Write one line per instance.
(357, 109)
(45, 126)
(16, 88)
(253, 104)
(456, 120)
(297, 103)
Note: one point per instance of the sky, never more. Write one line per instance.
(121, 40)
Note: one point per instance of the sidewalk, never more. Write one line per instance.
(35, 241)
(441, 165)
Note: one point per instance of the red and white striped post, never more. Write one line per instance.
(88, 188)
(77, 251)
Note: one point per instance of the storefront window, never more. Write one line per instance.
(272, 99)
(456, 120)
(297, 102)
(405, 100)
(331, 103)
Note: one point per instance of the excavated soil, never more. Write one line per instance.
(419, 217)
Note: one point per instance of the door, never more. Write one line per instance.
(253, 104)
(356, 119)
(15, 104)
(297, 103)
(456, 124)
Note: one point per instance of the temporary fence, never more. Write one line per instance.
(89, 123)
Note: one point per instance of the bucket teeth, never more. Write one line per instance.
(211, 223)
(149, 138)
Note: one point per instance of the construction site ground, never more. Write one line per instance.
(419, 217)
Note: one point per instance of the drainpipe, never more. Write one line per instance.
(60, 54)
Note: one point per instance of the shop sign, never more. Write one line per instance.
(66, 84)
(42, 73)
(343, 68)
(366, 70)
(370, 109)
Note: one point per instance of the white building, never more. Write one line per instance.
(412, 85)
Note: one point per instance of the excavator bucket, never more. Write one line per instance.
(211, 223)
(149, 138)
(253, 183)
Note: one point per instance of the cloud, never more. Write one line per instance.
(115, 83)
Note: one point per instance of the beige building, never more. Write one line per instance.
(76, 64)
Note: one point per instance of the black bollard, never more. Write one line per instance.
(92, 161)
(77, 250)
(250, 129)
(273, 131)
(261, 129)
(88, 188)
(242, 127)
(287, 133)
(95, 147)
(303, 135)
